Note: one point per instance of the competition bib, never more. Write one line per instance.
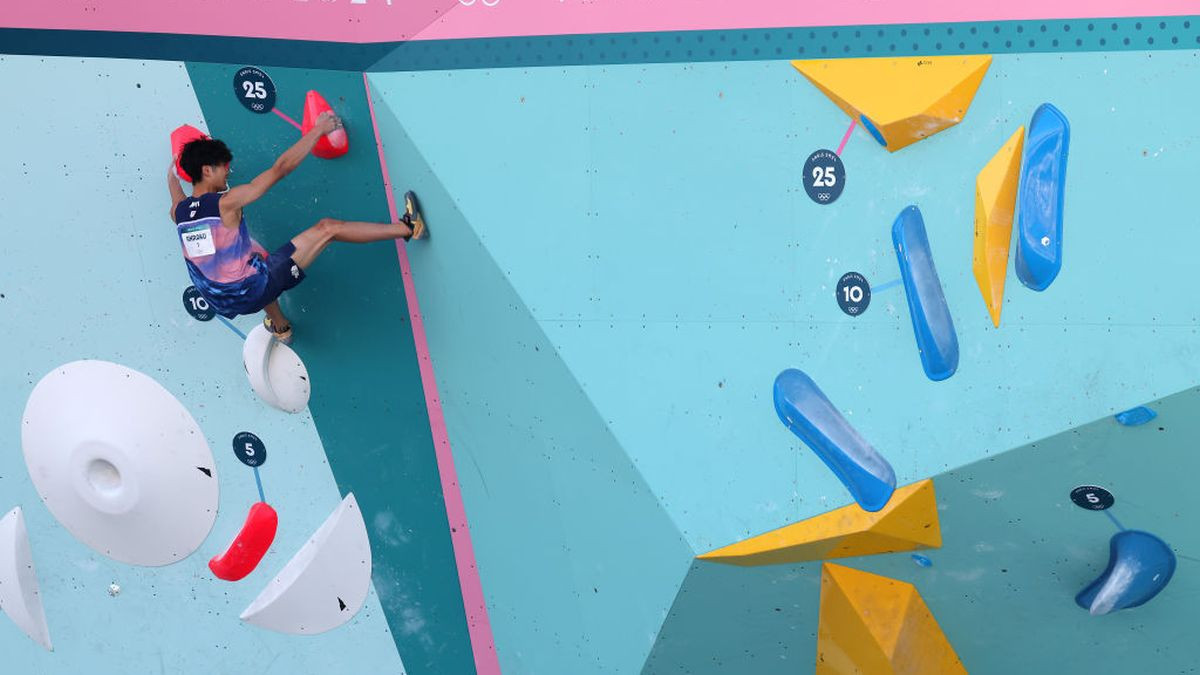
(198, 241)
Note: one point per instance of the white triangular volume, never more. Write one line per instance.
(325, 584)
(120, 462)
(20, 598)
(276, 372)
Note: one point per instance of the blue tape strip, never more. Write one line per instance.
(232, 327)
(258, 481)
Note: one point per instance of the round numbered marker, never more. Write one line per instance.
(853, 293)
(824, 176)
(250, 449)
(1092, 497)
(196, 305)
(254, 89)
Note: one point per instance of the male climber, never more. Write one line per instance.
(229, 268)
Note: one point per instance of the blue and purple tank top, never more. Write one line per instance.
(226, 265)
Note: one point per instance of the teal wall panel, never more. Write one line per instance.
(1017, 550)
(727, 619)
(352, 330)
(91, 268)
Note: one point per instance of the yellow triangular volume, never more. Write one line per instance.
(908, 522)
(900, 100)
(874, 624)
(995, 199)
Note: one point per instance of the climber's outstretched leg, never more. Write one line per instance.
(311, 242)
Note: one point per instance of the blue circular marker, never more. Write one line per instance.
(196, 305)
(1092, 497)
(254, 89)
(853, 293)
(249, 449)
(824, 176)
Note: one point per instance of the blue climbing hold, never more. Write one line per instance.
(872, 130)
(934, 329)
(806, 411)
(1136, 416)
(921, 560)
(1040, 198)
(1139, 567)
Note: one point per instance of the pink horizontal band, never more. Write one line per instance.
(360, 21)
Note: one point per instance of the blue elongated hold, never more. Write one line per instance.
(1040, 198)
(1139, 566)
(806, 411)
(936, 339)
(1136, 416)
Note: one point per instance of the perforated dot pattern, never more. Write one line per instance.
(1079, 35)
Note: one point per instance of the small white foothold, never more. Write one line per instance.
(114, 590)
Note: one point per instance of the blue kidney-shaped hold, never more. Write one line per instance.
(806, 411)
(1139, 567)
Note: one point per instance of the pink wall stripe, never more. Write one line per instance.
(480, 628)
(394, 20)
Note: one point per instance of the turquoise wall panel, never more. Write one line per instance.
(579, 561)
(689, 267)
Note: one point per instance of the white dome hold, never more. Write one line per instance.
(120, 462)
(325, 584)
(276, 372)
(20, 598)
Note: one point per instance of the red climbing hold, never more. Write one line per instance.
(332, 144)
(179, 138)
(250, 545)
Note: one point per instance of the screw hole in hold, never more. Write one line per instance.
(103, 476)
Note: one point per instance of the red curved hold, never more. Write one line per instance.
(249, 546)
(179, 138)
(332, 144)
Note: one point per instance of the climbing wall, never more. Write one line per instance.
(682, 264)
(92, 271)
(689, 266)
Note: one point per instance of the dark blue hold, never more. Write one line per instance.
(805, 410)
(1139, 566)
(872, 130)
(1136, 416)
(922, 560)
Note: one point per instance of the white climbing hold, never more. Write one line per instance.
(276, 373)
(20, 597)
(325, 584)
(120, 462)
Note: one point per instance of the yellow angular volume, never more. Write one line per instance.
(908, 522)
(874, 624)
(900, 100)
(995, 200)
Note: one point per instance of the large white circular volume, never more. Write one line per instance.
(325, 584)
(276, 372)
(20, 598)
(120, 462)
